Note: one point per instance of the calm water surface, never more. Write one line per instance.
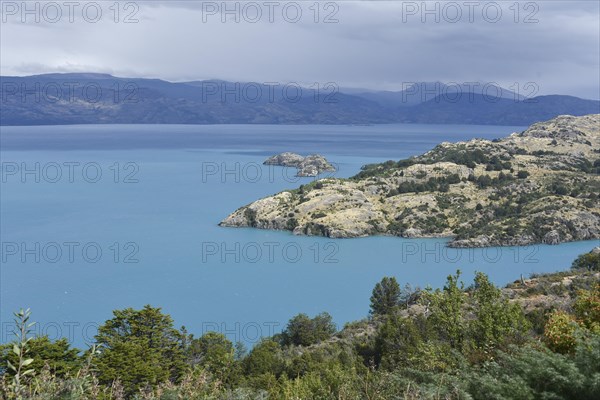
(96, 218)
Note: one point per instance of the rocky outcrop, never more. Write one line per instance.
(312, 165)
(541, 185)
(286, 159)
(552, 237)
(489, 241)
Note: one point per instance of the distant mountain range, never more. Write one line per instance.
(89, 98)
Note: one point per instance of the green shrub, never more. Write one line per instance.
(139, 348)
(560, 332)
(589, 261)
(305, 331)
(385, 296)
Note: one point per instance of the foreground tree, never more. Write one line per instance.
(139, 348)
(397, 342)
(587, 308)
(214, 352)
(304, 331)
(453, 344)
(589, 261)
(446, 311)
(560, 332)
(264, 364)
(58, 356)
(21, 367)
(385, 297)
(497, 322)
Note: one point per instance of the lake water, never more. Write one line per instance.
(96, 218)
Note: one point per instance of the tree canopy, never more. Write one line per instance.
(386, 296)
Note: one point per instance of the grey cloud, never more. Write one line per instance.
(370, 47)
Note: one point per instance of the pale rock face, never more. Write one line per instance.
(314, 165)
(441, 193)
(412, 233)
(286, 159)
(479, 241)
(311, 165)
(552, 237)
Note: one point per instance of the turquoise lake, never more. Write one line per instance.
(102, 217)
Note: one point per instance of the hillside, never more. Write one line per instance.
(537, 338)
(538, 186)
(88, 98)
(537, 296)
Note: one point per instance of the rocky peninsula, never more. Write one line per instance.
(541, 185)
(312, 165)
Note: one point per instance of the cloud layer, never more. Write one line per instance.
(369, 44)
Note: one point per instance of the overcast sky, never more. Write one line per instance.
(366, 44)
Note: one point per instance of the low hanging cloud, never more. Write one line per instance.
(367, 44)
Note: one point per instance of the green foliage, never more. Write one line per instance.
(58, 356)
(462, 156)
(559, 189)
(589, 261)
(537, 319)
(446, 310)
(496, 164)
(139, 348)
(433, 184)
(484, 181)
(478, 323)
(496, 322)
(587, 308)
(291, 224)
(385, 296)
(264, 359)
(20, 368)
(560, 332)
(529, 373)
(305, 331)
(563, 331)
(448, 343)
(587, 360)
(397, 342)
(214, 352)
(250, 215)
(382, 169)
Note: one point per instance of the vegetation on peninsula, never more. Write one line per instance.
(538, 186)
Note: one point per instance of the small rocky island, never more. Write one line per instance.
(541, 185)
(312, 165)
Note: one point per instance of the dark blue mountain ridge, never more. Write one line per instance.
(92, 98)
(421, 92)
